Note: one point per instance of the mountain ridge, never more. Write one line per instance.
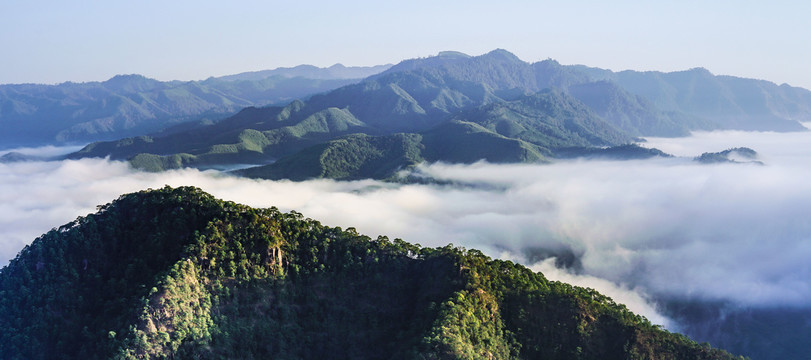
(129, 105)
(177, 273)
(605, 109)
(336, 71)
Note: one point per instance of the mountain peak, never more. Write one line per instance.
(335, 72)
(131, 83)
(123, 77)
(550, 62)
(127, 78)
(180, 274)
(452, 55)
(697, 71)
(503, 55)
(451, 59)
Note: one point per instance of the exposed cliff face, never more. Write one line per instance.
(177, 273)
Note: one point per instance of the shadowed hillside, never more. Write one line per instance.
(175, 273)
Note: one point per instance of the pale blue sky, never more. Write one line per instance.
(49, 41)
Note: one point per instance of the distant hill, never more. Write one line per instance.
(544, 109)
(421, 102)
(130, 105)
(720, 102)
(733, 155)
(527, 129)
(334, 72)
(175, 273)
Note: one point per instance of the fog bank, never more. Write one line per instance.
(636, 230)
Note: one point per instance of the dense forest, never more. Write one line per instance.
(176, 273)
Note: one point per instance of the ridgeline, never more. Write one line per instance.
(456, 108)
(176, 273)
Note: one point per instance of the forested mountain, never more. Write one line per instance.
(723, 102)
(175, 273)
(452, 110)
(494, 106)
(693, 99)
(129, 105)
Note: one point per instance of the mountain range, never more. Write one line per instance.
(352, 123)
(176, 273)
(460, 109)
(129, 105)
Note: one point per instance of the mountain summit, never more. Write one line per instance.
(175, 273)
(492, 107)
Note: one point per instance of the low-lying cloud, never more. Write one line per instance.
(675, 228)
(638, 230)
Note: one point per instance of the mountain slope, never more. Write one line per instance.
(549, 118)
(722, 102)
(361, 156)
(418, 93)
(254, 135)
(544, 108)
(177, 273)
(334, 72)
(397, 101)
(528, 129)
(632, 114)
(694, 99)
(352, 157)
(129, 105)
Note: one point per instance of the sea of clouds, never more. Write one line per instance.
(639, 231)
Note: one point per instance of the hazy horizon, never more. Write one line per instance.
(52, 42)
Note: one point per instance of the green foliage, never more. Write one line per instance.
(66, 291)
(537, 110)
(175, 273)
(469, 326)
(156, 163)
(733, 155)
(467, 142)
(549, 118)
(348, 158)
(621, 152)
(360, 156)
(461, 110)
